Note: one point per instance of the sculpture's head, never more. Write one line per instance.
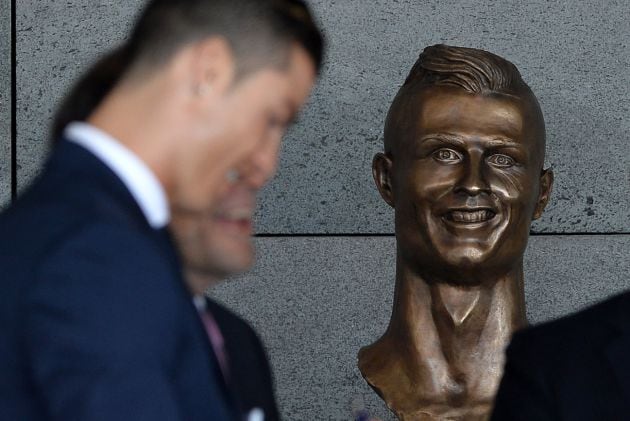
(463, 166)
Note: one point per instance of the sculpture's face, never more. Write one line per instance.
(466, 183)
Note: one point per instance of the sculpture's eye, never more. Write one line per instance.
(500, 160)
(447, 156)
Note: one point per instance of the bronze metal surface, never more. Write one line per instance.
(463, 170)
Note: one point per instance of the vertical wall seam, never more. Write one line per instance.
(13, 103)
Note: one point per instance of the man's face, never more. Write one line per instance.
(466, 184)
(238, 128)
(215, 239)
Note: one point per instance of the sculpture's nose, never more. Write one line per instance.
(473, 180)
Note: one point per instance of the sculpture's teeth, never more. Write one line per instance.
(472, 216)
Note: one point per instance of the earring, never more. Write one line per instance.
(232, 176)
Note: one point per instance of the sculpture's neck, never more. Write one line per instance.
(456, 318)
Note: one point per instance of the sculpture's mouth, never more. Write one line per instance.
(470, 216)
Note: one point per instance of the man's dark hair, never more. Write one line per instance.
(475, 71)
(259, 32)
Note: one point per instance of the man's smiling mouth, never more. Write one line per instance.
(465, 216)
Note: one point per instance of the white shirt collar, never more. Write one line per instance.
(141, 182)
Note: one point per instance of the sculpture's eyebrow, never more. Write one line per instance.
(461, 141)
(444, 137)
(503, 141)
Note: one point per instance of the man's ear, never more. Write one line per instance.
(381, 170)
(546, 185)
(213, 67)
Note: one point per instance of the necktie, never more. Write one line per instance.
(216, 340)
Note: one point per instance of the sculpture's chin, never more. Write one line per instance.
(441, 412)
(464, 269)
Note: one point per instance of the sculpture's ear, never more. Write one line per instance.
(381, 170)
(546, 185)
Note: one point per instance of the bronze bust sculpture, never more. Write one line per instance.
(463, 170)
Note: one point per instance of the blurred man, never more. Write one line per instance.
(97, 322)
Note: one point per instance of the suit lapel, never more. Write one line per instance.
(229, 384)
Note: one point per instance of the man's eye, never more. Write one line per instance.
(500, 160)
(447, 156)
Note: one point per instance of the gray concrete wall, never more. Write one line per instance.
(316, 300)
(575, 55)
(5, 103)
(55, 42)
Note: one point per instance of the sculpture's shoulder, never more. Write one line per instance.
(382, 363)
(413, 390)
(383, 367)
(371, 360)
(389, 372)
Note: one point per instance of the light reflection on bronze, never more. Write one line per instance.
(463, 170)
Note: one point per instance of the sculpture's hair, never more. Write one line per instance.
(475, 71)
(259, 32)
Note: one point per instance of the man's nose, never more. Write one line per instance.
(473, 179)
(261, 165)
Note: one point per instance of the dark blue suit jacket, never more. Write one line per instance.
(250, 381)
(95, 321)
(576, 368)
